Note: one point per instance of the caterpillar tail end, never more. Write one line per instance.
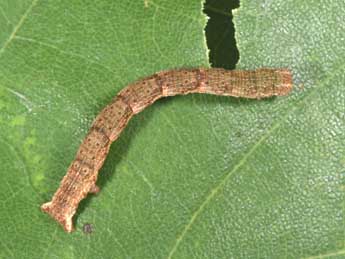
(66, 223)
(284, 82)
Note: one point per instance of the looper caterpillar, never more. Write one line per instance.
(81, 175)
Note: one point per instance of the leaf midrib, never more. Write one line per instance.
(214, 191)
(18, 26)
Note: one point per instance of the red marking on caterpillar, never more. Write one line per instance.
(81, 175)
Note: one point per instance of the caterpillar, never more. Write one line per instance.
(82, 173)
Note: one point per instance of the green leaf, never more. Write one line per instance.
(60, 63)
(298, 165)
(195, 176)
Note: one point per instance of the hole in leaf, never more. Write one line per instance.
(220, 33)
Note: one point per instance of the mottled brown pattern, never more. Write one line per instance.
(81, 176)
(254, 84)
(141, 94)
(113, 118)
(179, 82)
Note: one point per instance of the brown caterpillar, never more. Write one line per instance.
(81, 175)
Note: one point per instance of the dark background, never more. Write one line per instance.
(220, 33)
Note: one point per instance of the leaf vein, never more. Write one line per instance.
(64, 52)
(331, 254)
(220, 185)
(17, 27)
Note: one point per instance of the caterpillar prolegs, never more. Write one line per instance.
(81, 175)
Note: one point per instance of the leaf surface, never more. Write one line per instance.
(60, 63)
(303, 212)
(194, 176)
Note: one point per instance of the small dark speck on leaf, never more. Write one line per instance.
(87, 228)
